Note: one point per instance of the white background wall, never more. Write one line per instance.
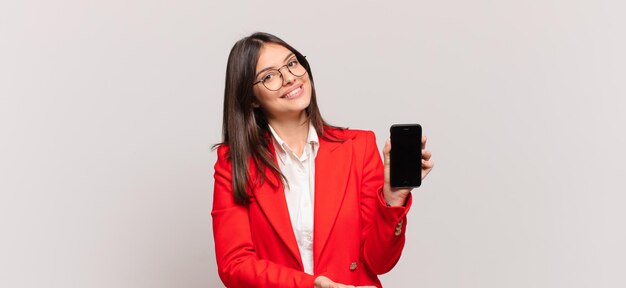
(108, 110)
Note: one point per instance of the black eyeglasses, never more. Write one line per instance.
(273, 79)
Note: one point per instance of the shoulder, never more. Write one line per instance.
(227, 158)
(222, 150)
(223, 154)
(349, 132)
(357, 136)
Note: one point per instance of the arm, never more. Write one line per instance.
(238, 264)
(383, 227)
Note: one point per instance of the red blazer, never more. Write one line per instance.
(356, 236)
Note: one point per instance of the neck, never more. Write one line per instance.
(293, 131)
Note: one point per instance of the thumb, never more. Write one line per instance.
(386, 151)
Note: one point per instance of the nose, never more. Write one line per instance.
(288, 78)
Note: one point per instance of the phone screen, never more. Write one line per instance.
(406, 155)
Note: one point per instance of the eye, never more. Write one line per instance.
(293, 63)
(268, 77)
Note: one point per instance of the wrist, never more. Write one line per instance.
(397, 203)
(395, 198)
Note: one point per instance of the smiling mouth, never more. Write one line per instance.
(293, 93)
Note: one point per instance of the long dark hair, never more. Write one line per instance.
(245, 128)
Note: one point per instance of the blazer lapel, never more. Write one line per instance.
(271, 198)
(332, 169)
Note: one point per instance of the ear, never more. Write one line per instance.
(255, 104)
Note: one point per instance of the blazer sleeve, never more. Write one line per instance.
(238, 264)
(383, 227)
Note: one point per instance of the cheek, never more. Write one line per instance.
(309, 85)
(264, 98)
(309, 90)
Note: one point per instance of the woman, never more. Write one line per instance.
(298, 202)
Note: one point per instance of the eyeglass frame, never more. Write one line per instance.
(281, 73)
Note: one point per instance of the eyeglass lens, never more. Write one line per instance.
(273, 80)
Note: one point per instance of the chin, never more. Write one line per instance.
(299, 107)
(306, 103)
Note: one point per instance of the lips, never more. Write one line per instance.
(293, 93)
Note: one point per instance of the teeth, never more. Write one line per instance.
(294, 92)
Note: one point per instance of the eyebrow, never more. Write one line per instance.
(268, 68)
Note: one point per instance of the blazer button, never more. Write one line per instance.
(399, 228)
(353, 266)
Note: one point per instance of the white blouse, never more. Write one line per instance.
(300, 191)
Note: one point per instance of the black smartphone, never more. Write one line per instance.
(406, 155)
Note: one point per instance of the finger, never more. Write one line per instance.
(426, 154)
(427, 164)
(387, 147)
(424, 142)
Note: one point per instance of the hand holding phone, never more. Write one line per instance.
(406, 156)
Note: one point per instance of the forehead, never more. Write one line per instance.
(271, 55)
